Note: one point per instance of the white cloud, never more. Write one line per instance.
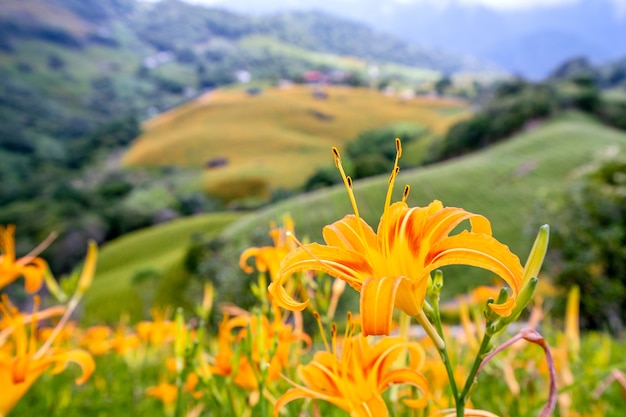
(499, 4)
(518, 4)
(620, 7)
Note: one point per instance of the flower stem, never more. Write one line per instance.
(430, 330)
(437, 337)
(482, 351)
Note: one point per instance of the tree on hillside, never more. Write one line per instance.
(589, 240)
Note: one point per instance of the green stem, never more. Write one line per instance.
(178, 412)
(437, 337)
(484, 347)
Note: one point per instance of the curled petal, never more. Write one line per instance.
(80, 357)
(33, 274)
(282, 298)
(303, 392)
(411, 377)
(445, 220)
(341, 263)
(248, 253)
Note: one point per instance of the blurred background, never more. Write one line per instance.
(172, 132)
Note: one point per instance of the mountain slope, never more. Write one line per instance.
(67, 69)
(505, 182)
(489, 33)
(77, 77)
(285, 137)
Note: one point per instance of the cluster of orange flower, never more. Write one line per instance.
(25, 352)
(395, 266)
(390, 268)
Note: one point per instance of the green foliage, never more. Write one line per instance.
(117, 388)
(517, 103)
(514, 104)
(613, 112)
(371, 153)
(323, 177)
(149, 266)
(590, 239)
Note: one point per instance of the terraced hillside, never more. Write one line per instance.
(286, 134)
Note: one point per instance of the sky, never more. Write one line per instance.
(504, 5)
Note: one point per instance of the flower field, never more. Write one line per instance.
(292, 354)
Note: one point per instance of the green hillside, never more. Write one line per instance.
(78, 78)
(504, 182)
(146, 266)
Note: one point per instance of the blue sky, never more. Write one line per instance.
(510, 5)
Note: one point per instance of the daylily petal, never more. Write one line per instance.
(411, 377)
(346, 233)
(347, 265)
(410, 296)
(281, 297)
(378, 296)
(374, 407)
(302, 392)
(248, 253)
(81, 358)
(33, 274)
(445, 220)
(484, 252)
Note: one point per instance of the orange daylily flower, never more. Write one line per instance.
(272, 342)
(165, 392)
(124, 342)
(392, 266)
(21, 364)
(31, 268)
(268, 258)
(160, 330)
(97, 340)
(355, 378)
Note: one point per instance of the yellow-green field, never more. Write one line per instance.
(279, 137)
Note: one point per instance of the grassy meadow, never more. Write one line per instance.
(148, 265)
(505, 182)
(144, 267)
(286, 135)
(170, 367)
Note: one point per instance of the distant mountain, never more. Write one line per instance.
(530, 42)
(78, 76)
(82, 63)
(69, 66)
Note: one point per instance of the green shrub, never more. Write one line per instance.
(589, 240)
(512, 107)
